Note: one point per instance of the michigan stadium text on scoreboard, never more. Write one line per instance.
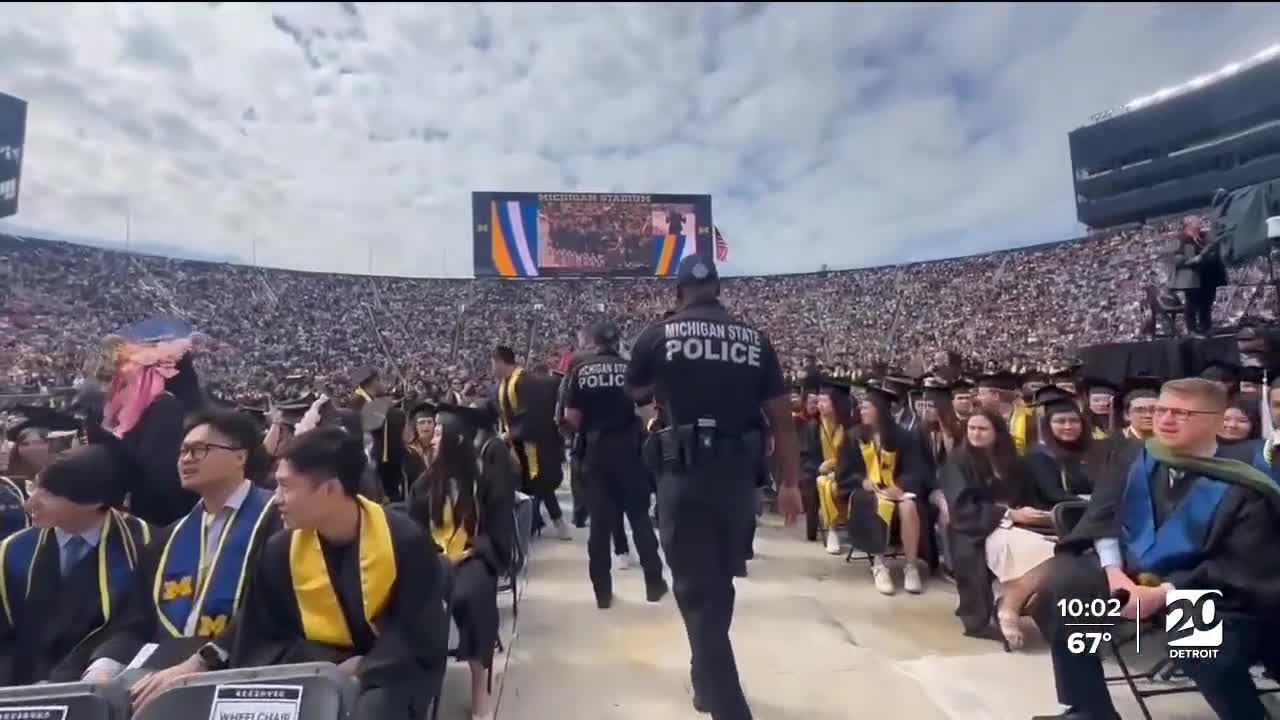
(565, 234)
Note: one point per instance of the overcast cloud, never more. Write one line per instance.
(846, 135)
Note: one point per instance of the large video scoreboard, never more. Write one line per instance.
(525, 235)
(13, 132)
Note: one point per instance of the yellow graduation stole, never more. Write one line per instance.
(1100, 434)
(881, 472)
(452, 539)
(509, 407)
(832, 438)
(322, 618)
(1018, 423)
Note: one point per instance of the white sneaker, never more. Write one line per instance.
(911, 581)
(883, 580)
(562, 530)
(833, 542)
(622, 562)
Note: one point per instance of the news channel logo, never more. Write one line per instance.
(1192, 626)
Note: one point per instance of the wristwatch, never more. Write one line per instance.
(213, 657)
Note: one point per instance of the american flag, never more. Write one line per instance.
(722, 246)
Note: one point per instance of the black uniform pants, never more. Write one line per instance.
(809, 496)
(706, 515)
(1224, 681)
(616, 485)
(579, 494)
(1198, 309)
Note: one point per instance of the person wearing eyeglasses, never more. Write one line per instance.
(191, 579)
(1183, 515)
(65, 577)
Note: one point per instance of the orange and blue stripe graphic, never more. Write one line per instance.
(514, 237)
(670, 250)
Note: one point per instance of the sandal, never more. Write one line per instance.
(1010, 623)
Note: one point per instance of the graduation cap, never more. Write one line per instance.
(1035, 376)
(361, 376)
(883, 391)
(373, 415)
(962, 385)
(936, 388)
(35, 417)
(426, 407)
(1054, 399)
(1223, 371)
(900, 385)
(1090, 385)
(471, 419)
(999, 380)
(835, 385)
(156, 330)
(1141, 386)
(1251, 374)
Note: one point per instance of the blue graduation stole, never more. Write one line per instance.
(123, 537)
(13, 516)
(1178, 543)
(177, 578)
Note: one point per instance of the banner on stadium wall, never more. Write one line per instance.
(13, 134)
(531, 235)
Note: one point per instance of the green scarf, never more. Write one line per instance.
(1219, 468)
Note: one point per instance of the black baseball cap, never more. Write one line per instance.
(696, 270)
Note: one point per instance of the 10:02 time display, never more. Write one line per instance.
(1097, 608)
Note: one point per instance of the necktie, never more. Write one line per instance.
(73, 551)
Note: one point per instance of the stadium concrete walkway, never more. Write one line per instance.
(814, 641)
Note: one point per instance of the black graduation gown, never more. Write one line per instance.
(137, 623)
(867, 530)
(1056, 480)
(810, 459)
(59, 625)
(1239, 550)
(976, 509)
(534, 434)
(399, 660)
(474, 583)
(151, 463)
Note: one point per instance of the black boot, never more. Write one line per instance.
(604, 600)
(654, 592)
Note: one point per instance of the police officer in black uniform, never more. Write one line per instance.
(712, 374)
(598, 406)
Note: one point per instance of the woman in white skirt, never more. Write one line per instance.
(996, 530)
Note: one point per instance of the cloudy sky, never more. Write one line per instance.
(848, 135)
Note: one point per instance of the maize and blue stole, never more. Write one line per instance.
(178, 590)
(318, 607)
(1179, 541)
(123, 537)
(13, 516)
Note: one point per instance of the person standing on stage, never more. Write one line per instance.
(712, 374)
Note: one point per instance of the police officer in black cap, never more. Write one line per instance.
(597, 405)
(712, 374)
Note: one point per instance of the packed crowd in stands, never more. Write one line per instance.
(1022, 308)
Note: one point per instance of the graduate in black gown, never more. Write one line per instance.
(67, 575)
(526, 404)
(30, 451)
(347, 582)
(190, 581)
(1058, 463)
(467, 504)
(1182, 516)
(888, 499)
(1241, 434)
(154, 386)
